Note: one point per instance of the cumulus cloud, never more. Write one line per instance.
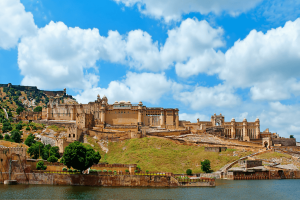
(217, 96)
(193, 117)
(57, 56)
(268, 63)
(172, 10)
(15, 23)
(148, 87)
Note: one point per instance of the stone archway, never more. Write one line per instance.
(266, 144)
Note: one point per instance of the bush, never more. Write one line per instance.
(104, 170)
(30, 140)
(127, 170)
(99, 171)
(1, 136)
(6, 137)
(16, 136)
(109, 171)
(189, 172)
(37, 109)
(19, 110)
(70, 170)
(136, 171)
(64, 169)
(147, 171)
(27, 128)
(205, 166)
(52, 159)
(34, 128)
(19, 126)
(40, 165)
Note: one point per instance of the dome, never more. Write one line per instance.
(128, 102)
(244, 120)
(232, 119)
(116, 102)
(257, 119)
(122, 101)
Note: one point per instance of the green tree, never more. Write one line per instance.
(50, 151)
(205, 166)
(80, 157)
(40, 165)
(6, 137)
(52, 159)
(38, 109)
(30, 140)
(19, 126)
(291, 136)
(19, 110)
(6, 127)
(36, 150)
(1, 136)
(189, 172)
(16, 136)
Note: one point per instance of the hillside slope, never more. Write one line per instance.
(155, 154)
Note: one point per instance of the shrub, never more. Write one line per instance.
(37, 109)
(104, 170)
(126, 170)
(189, 172)
(27, 128)
(1, 136)
(147, 171)
(99, 171)
(109, 171)
(136, 171)
(64, 169)
(40, 165)
(52, 159)
(70, 170)
(19, 126)
(16, 136)
(205, 166)
(6, 137)
(34, 128)
(30, 140)
(75, 170)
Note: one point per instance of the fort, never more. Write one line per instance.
(123, 120)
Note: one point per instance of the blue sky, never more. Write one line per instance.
(238, 58)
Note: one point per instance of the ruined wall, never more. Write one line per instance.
(284, 141)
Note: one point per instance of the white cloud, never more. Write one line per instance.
(193, 117)
(148, 87)
(14, 23)
(217, 96)
(268, 63)
(172, 10)
(192, 41)
(57, 55)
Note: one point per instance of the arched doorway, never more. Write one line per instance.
(266, 144)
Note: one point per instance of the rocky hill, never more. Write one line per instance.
(13, 97)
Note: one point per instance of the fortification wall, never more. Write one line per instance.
(284, 141)
(93, 180)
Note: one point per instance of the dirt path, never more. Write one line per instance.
(6, 115)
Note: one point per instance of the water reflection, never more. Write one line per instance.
(252, 189)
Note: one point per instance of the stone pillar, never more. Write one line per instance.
(257, 128)
(176, 118)
(162, 117)
(244, 128)
(232, 128)
(140, 113)
(49, 113)
(103, 113)
(73, 115)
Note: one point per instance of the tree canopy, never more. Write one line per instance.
(189, 172)
(36, 150)
(38, 109)
(30, 140)
(80, 157)
(16, 136)
(205, 166)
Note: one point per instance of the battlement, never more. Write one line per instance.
(13, 150)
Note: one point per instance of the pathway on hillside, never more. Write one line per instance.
(6, 115)
(229, 165)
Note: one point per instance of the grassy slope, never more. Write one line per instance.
(155, 154)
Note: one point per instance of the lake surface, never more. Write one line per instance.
(240, 189)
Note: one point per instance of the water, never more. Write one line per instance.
(251, 189)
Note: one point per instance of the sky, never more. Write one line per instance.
(238, 58)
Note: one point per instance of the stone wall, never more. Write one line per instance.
(93, 180)
(284, 141)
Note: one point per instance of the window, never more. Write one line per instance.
(69, 135)
(73, 135)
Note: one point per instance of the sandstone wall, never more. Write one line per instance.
(93, 180)
(284, 141)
